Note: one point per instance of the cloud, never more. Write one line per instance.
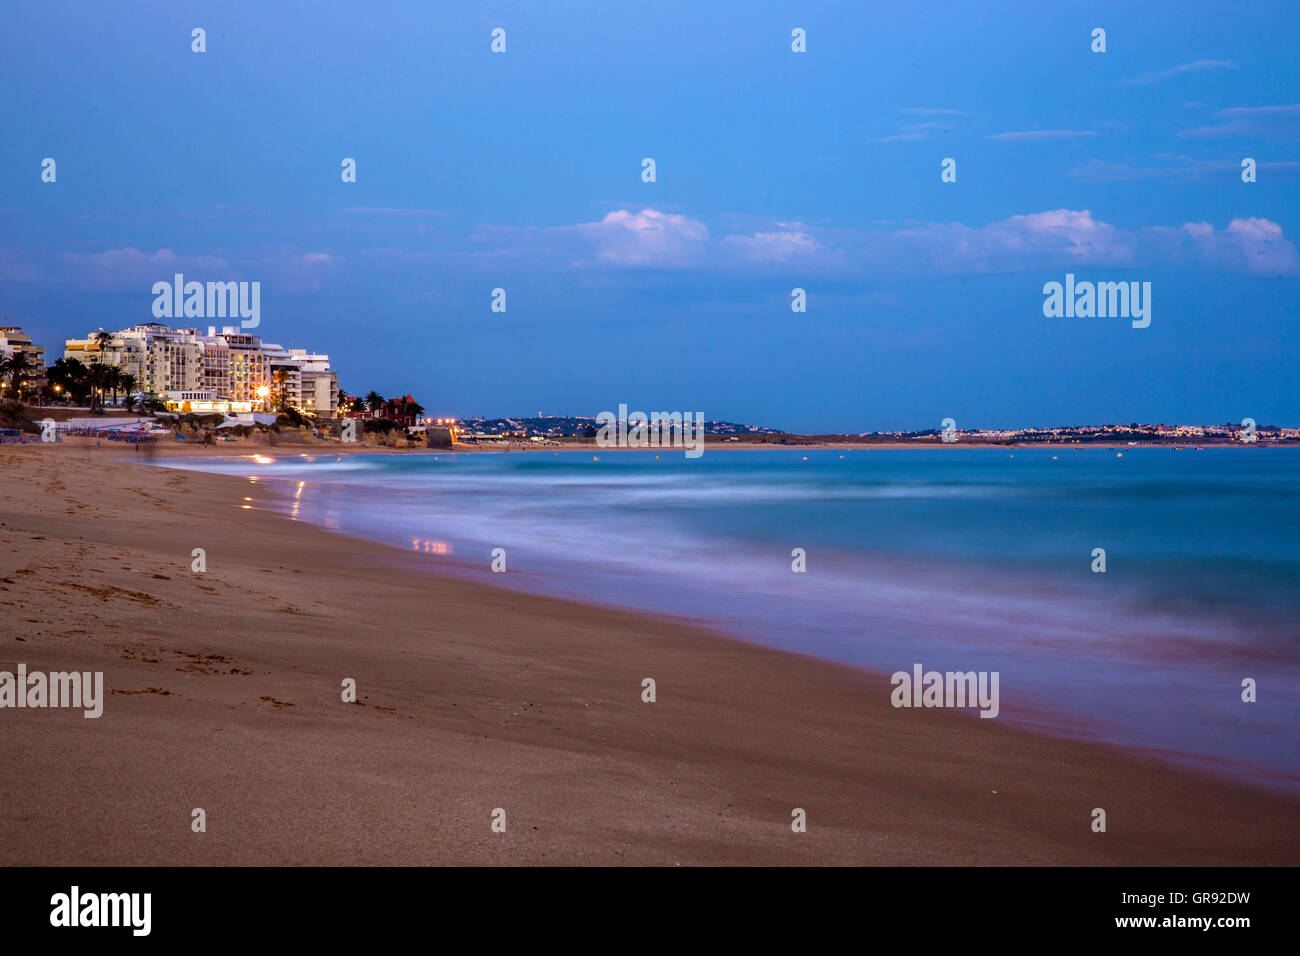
(901, 137)
(1247, 245)
(1266, 122)
(13, 268)
(1060, 237)
(626, 243)
(1196, 66)
(1032, 134)
(284, 270)
(1075, 237)
(1178, 169)
(1057, 238)
(1105, 171)
(384, 211)
(787, 245)
(132, 268)
(915, 131)
(646, 238)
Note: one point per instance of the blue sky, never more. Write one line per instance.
(775, 170)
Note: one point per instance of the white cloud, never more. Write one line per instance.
(1196, 66)
(1253, 121)
(1032, 134)
(388, 211)
(786, 245)
(131, 268)
(648, 238)
(1048, 239)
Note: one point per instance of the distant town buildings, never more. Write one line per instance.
(404, 410)
(1077, 434)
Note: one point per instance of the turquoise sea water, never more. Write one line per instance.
(958, 559)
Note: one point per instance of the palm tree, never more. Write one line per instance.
(69, 376)
(129, 384)
(113, 379)
(19, 367)
(375, 402)
(96, 376)
(102, 340)
(152, 403)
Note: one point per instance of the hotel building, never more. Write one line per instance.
(14, 341)
(229, 370)
(320, 386)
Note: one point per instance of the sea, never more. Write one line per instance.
(982, 559)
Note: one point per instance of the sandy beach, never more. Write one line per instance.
(223, 693)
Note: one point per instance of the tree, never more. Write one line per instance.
(152, 403)
(69, 379)
(19, 366)
(113, 379)
(96, 378)
(101, 378)
(413, 410)
(375, 402)
(129, 384)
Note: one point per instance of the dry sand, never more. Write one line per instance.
(223, 692)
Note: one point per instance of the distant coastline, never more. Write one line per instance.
(558, 433)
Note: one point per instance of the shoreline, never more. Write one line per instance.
(246, 447)
(1038, 717)
(290, 438)
(479, 697)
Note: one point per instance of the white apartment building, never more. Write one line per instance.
(238, 359)
(229, 365)
(160, 358)
(320, 385)
(14, 339)
(286, 374)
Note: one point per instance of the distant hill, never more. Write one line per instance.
(561, 426)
